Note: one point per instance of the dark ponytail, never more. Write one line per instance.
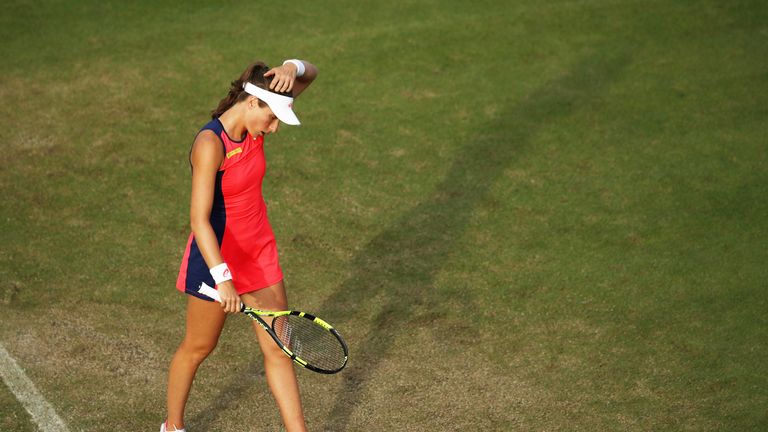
(253, 74)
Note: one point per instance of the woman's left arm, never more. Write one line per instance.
(284, 78)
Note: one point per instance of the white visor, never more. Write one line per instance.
(282, 106)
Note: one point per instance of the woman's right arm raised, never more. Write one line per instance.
(206, 158)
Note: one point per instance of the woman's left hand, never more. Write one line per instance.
(283, 77)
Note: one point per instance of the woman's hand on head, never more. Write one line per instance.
(230, 301)
(283, 78)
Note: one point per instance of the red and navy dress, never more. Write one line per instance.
(239, 219)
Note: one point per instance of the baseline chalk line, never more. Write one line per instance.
(25, 391)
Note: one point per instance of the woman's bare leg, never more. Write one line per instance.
(278, 367)
(204, 323)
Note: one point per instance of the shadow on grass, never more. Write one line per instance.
(394, 274)
(229, 396)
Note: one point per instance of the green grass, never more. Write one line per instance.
(14, 417)
(522, 215)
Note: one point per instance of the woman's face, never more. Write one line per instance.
(260, 120)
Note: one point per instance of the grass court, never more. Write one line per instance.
(522, 215)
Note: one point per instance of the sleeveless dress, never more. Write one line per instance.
(239, 219)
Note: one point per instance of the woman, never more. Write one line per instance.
(232, 244)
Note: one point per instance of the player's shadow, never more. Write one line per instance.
(228, 397)
(394, 274)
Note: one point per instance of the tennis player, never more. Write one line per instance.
(232, 245)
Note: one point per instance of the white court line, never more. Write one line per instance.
(20, 385)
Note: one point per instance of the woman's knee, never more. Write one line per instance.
(276, 358)
(197, 351)
(272, 352)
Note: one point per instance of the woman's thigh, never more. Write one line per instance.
(271, 298)
(204, 323)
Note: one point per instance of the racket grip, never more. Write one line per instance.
(214, 294)
(209, 292)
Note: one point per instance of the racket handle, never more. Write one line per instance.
(213, 294)
(209, 292)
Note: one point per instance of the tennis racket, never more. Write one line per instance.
(309, 341)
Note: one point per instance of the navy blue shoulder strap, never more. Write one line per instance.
(216, 127)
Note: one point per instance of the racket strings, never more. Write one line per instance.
(310, 342)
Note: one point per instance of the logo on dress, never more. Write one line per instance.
(234, 152)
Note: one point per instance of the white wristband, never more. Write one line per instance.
(220, 273)
(300, 69)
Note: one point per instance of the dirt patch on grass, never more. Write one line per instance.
(425, 383)
(102, 355)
